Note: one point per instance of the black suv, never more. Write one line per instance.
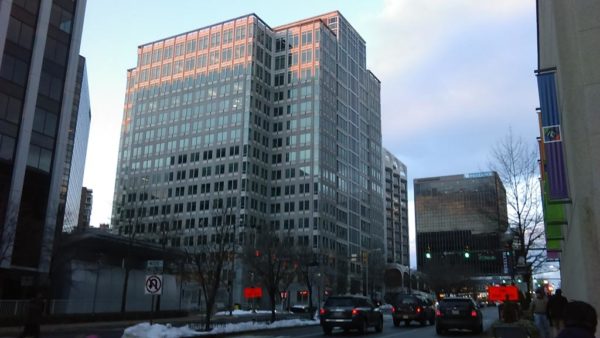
(413, 307)
(350, 312)
(458, 313)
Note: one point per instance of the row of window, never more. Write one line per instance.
(202, 43)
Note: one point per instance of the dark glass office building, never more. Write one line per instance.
(39, 51)
(460, 221)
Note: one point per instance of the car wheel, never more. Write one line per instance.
(432, 320)
(407, 322)
(439, 331)
(327, 330)
(364, 326)
(379, 326)
(422, 322)
(396, 322)
(479, 329)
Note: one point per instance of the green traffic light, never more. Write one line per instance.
(467, 255)
(428, 255)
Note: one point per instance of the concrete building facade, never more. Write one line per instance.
(39, 57)
(396, 210)
(279, 126)
(569, 84)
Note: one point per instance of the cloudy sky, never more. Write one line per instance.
(456, 74)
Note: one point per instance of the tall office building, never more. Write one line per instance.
(79, 131)
(460, 221)
(39, 51)
(568, 77)
(396, 210)
(85, 208)
(281, 126)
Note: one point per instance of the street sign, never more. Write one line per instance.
(153, 285)
(154, 264)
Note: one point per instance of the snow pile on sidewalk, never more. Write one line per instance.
(167, 331)
(158, 331)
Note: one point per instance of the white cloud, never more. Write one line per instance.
(409, 33)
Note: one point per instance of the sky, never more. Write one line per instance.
(455, 75)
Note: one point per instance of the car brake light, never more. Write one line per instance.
(393, 309)
(418, 310)
(473, 313)
(355, 312)
(438, 313)
(322, 311)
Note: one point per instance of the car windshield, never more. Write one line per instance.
(340, 302)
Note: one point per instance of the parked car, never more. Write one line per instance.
(350, 312)
(413, 307)
(458, 313)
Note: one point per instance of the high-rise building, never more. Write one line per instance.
(460, 222)
(568, 76)
(281, 126)
(39, 51)
(396, 210)
(85, 208)
(79, 131)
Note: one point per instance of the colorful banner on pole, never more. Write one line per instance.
(551, 137)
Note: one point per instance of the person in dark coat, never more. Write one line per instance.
(580, 321)
(556, 309)
(33, 320)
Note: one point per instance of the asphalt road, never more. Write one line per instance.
(414, 330)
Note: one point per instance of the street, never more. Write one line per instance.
(490, 314)
(415, 330)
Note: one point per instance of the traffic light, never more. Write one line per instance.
(428, 255)
(467, 254)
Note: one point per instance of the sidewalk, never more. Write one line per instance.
(195, 321)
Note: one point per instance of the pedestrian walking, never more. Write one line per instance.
(35, 308)
(539, 308)
(556, 310)
(580, 320)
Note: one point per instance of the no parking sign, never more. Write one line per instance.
(153, 285)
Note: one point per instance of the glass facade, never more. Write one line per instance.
(460, 221)
(79, 131)
(38, 80)
(279, 126)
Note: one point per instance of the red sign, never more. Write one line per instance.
(500, 293)
(252, 293)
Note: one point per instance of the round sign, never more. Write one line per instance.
(153, 284)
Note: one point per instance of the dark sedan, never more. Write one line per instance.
(350, 312)
(458, 313)
(413, 307)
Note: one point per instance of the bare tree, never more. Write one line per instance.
(211, 254)
(270, 258)
(306, 262)
(516, 162)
